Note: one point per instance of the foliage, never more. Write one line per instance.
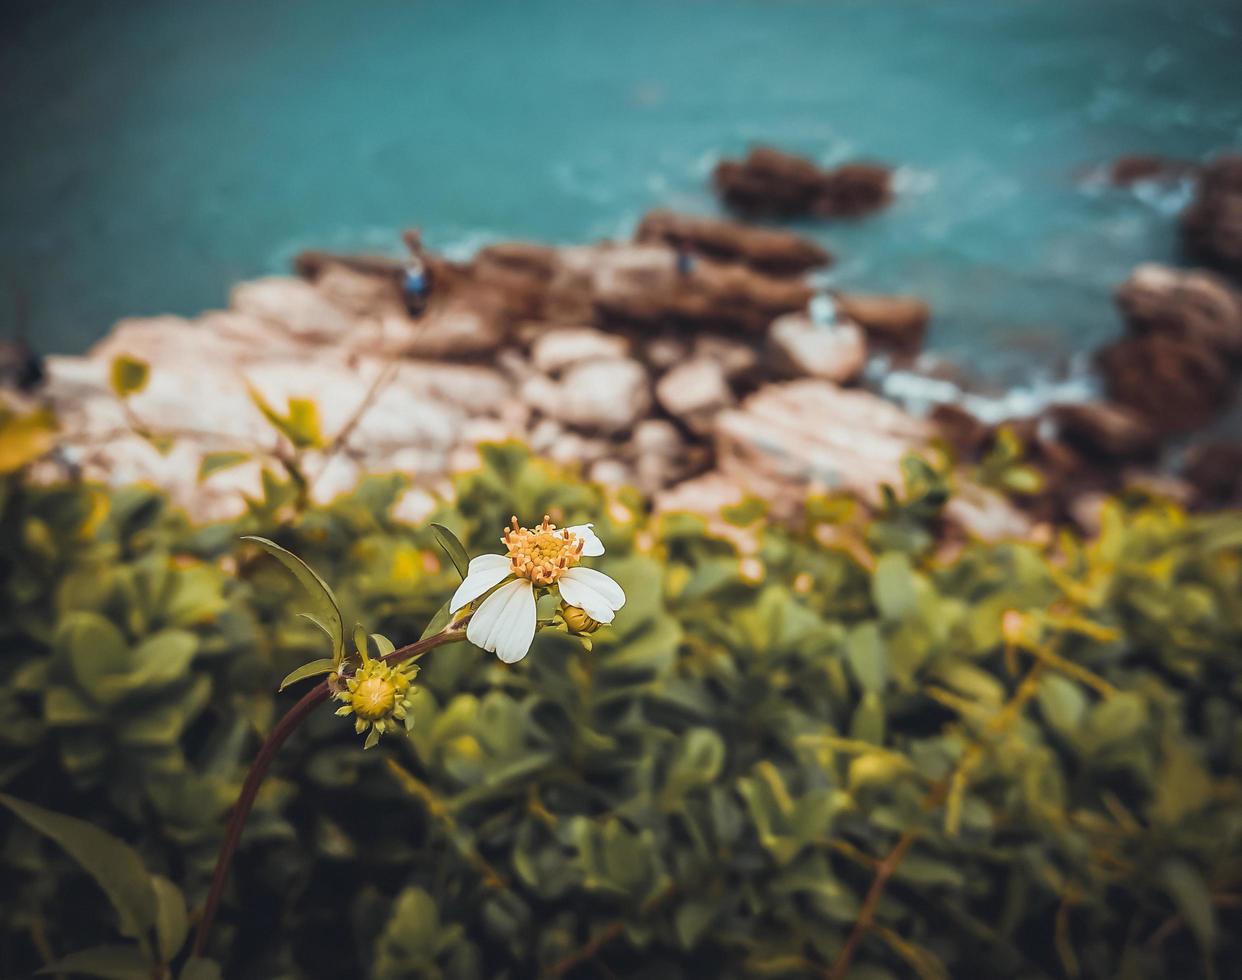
(1034, 751)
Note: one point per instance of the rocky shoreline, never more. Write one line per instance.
(697, 362)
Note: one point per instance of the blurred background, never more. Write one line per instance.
(158, 152)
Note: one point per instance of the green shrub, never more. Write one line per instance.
(1021, 762)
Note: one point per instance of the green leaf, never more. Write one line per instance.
(312, 669)
(893, 587)
(868, 660)
(327, 612)
(115, 865)
(453, 548)
(24, 438)
(97, 652)
(696, 762)
(129, 375)
(440, 620)
(1190, 894)
(382, 644)
(172, 922)
(867, 724)
(215, 462)
(108, 962)
(300, 425)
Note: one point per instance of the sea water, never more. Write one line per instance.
(154, 153)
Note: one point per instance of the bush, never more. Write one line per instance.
(1023, 761)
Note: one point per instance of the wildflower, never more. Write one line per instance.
(540, 558)
(380, 696)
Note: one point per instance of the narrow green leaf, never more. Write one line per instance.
(360, 641)
(215, 462)
(383, 644)
(892, 586)
(115, 865)
(172, 922)
(440, 620)
(312, 669)
(108, 962)
(453, 548)
(327, 612)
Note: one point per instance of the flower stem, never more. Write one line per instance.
(258, 771)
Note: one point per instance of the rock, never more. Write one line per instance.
(983, 513)
(596, 396)
(295, 305)
(896, 323)
(638, 287)
(737, 360)
(771, 183)
(1194, 306)
(554, 350)
(312, 264)
(966, 434)
(358, 293)
(1212, 222)
(1215, 472)
(694, 392)
(835, 353)
(1176, 385)
(661, 353)
(777, 253)
(453, 328)
(1106, 429)
(789, 437)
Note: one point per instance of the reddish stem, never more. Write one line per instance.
(262, 762)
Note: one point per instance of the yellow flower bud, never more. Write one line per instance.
(577, 620)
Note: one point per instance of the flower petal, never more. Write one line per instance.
(484, 572)
(505, 622)
(593, 592)
(592, 546)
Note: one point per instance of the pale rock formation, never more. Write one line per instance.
(834, 353)
(694, 392)
(294, 304)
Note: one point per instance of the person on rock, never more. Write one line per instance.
(416, 277)
(685, 259)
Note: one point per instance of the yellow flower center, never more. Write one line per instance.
(374, 698)
(542, 554)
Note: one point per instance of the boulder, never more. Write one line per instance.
(895, 323)
(638, 286)
(777, 253)
(835, 353)
(358, 293)
(1197, 307)
(560, 348)
(1106, 429)
(693, 392)
(788, 437)
(737, 359)
(1215, 471)
(1176, 385)
(606, 396)
(771, 183)
(295, 305)
(1212, 222)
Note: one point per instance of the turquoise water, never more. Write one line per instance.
(156, 152)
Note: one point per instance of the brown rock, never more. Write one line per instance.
(896, 323)
(769, 182)
(1176, 385)
(777, 253)
(1212, 222)
(1137, 167)
(835, 353)
(1215, 472)
(1106, 429)
(554, 350)
(1194, 306)
(966, 434)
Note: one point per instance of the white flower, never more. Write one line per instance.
(541, 557)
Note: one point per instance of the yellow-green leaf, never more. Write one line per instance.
(129, 375)
(172, 922)
(327, 611)
(312, 669)
(453, 548)
(215, 462)
(25, 438)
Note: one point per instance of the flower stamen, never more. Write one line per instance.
(541, 554)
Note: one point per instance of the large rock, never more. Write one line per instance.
(694, 392)
(1190, 305)
(1212, 222)
(776, 253)
(835, 353)
(772, 183)
(1175, 384)
(556, 349)
(788, 437)
(597, 396)
(896, 323)
(639, 286)
(1106, 429)
(295, 305)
